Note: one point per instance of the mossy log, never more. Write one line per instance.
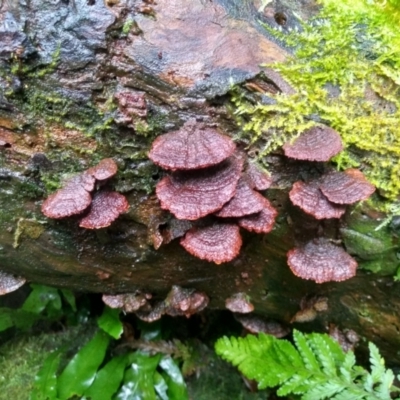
(66, 65)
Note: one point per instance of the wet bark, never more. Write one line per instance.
(68, 70)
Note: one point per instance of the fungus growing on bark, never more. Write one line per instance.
(262, 222)
(321, 261)
(311, 200)
(129, 302)
(239, 303)
(194, 194)
(218, 243)
(9, 283)
(105, 169)
(245, 201)
(309, 308)
(257, 178)
(346, 187)
(185, 302)
(191, 147)
(72, 199)
(105, 208)
(319, 143)
(256, 324)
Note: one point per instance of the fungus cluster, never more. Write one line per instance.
(324, 198)
(208, 185)
(75, 198)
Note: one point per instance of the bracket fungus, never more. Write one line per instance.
(218, 243)
(239, 303)
(129, 302)
(257, 178)
(321, 261)
(319, 143)
(346, 187)
(193, 146)
(9, 283)
(311, 200)
(105, 208)
(195, 194)
(262, 222)
(105, 169)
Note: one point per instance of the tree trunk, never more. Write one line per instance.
(67, 70)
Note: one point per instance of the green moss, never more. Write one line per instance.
(345, 70)
(30, 228)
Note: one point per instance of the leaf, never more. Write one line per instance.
(108, 379)
(109, 321)
(45, 386)
(80, 372)
(176, 385)
(40, 297)
(69, 298)
(160, 386)
(5, 319)
(306, 352)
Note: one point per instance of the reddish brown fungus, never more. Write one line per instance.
(311, 200)
(239, 303)
(318, 143)
(129, 302)
(105, 208)
(9, 283)
(246, 201)
(257, 324)
(321, 261)
(185, 302)
(218, 243)
(262, 222)
(72, 199)
(346, 187)
(257, 178)
(105, 169)
(193, 194)
(191, 147)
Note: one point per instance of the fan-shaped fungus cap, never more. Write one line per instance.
(153, 315)
(262, 222)
(129, 302)
(191, 147)
(311, 200)
(321, 261)
(185, 302)
(245, 201)
(218, 243)
(318, 143)
(72, 199)
(9, 283)
(194, 194)
(106, 207)
(257, 178)
(346, 187)
(239, 303)
(105, 169)
(256, 324)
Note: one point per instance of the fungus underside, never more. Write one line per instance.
(351, 48)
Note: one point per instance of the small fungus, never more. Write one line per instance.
(257, 178)
(346, 187)
(193, 194)
(129, 302)
(321, 261)
(239, 303)
(9, 283)
(152, 315)
(185, 302)
(256, 324)
(319, 143)
(106, 207)
(191, 147)
(72, 199)
(262, 222)
(311, 200)
(246, 201)
(218, 243)
(105, 169)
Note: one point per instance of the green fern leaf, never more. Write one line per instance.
(350, 394)
(305, 351)
(320, 346)
(324, 391)
(295, 384)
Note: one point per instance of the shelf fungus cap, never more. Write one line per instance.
(106, 207)
(105, 169)
(73, 198)
(129, 302)
(311, 200)
(191, 147)
(245, 201)
(262, 222)
(217, 243)
(319, 143)
(257, 178)
(194, 194)
(321, 261)
(9, 283)
(185, 302)
(239, 303)
(346, 187)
